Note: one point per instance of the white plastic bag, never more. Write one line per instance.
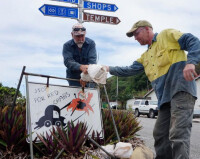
(86, 77)
(123, 150)
(108, 148)
(97, 73)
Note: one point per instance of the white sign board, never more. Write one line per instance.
(56, 105)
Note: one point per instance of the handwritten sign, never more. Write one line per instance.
(56, 105)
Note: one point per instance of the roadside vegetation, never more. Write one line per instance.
(73, 139)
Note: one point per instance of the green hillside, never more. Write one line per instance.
(128, 87)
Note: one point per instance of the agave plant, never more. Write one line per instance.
(13, 130)
(49, 146)
(127, 125)
(96, 136)
(73, 137)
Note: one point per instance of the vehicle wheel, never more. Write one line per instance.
(137, 113)
(58, 123)
(47, 123)
(151, 114)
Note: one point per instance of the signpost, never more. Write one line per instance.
(59, 11)
(78, 12)
(100, 18)
(100, 6)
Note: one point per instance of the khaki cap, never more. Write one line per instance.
(141, 23)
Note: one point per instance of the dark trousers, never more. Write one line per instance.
(172, 130)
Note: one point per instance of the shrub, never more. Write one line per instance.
(13, 130)
(127, 125)
(71, 139)
(48, 146)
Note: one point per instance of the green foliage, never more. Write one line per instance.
(127, 125)
(21, 101)
(13, 130)
(71, 139)
(7, 95)
(128, 87)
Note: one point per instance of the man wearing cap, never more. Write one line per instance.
(78, 53)
(172, 74)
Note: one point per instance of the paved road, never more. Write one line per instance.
(147, 137)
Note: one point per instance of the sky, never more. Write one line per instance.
(28, 38)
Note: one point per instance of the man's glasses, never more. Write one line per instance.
(78, 29)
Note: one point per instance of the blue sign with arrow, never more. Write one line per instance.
(100, 6)
(59, 11)
(68, 1)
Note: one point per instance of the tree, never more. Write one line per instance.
(127, 87)
(7, 95)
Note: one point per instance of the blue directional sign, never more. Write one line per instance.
(68, 1)
(60, 11)
(100, 6)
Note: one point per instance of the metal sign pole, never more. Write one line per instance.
(18, 86)
(111, 114)
(80, 6)
(94, 142)
(29, 117)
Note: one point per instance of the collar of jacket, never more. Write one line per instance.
(154, 39)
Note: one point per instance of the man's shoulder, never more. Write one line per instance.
(88, 40)
(70, 42)
(169, 31)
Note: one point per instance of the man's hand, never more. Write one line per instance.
(107, 68)
(189, 72)
(84, 68)
(83, 83)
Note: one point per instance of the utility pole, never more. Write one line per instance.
(117, 94)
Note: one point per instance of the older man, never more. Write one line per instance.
(78, 53)
(172, 74)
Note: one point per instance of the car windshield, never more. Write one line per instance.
(153, 102)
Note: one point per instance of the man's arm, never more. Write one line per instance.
(134, 69)
(191, 44)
